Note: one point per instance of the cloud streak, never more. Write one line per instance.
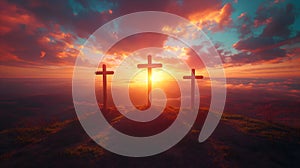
(51, 33)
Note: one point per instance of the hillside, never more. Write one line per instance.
(238, 141)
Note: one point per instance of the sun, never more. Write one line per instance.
(158, 76)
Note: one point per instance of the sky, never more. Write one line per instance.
(41, 39)
(257, 41)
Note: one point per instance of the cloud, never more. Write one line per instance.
(59, 28)
(269, 45)
(277, 20)
(259, 49)
(140, 41)
(43, 54)
(215, 19)
(244, 25)
(31, 28)
(14, 18)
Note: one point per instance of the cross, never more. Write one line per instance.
(193, 77)
(150, 65)
(104, 73)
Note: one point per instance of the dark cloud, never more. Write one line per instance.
(253, 43)
(58, 28)
(77, 16)
(277, 19)
(52, 27)
(138, 41)
(126, 7)
(188, 7)
(244, 25)
(267, 46)
(257, 50)
(182, 8)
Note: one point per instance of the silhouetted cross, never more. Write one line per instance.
(104, 73)
(193, 77)
(150, 65)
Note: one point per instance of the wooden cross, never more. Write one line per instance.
(150, 65)
(104, 73)
(193, 77)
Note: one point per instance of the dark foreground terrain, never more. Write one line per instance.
(42, 130)
(237, 142)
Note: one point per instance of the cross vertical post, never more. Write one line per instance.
(104, 73)
(149, 66)
(149, 78)
(193, 77)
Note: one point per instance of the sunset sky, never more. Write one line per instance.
(57, 110)
(41, 39)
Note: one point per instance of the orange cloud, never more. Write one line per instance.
(61, 42)
(42, 54)
(242, 15)
(213, 19)
(258, 23)
(126, 46)
(36, 72)
(6, 53)
(13, 17)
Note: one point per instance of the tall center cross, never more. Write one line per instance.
(193, 77)
(104, 73)
(149, 65)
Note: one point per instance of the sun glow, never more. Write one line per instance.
(158, 77)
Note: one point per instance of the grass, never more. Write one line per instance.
(31, 135)
(85, 150)
(261, 128)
